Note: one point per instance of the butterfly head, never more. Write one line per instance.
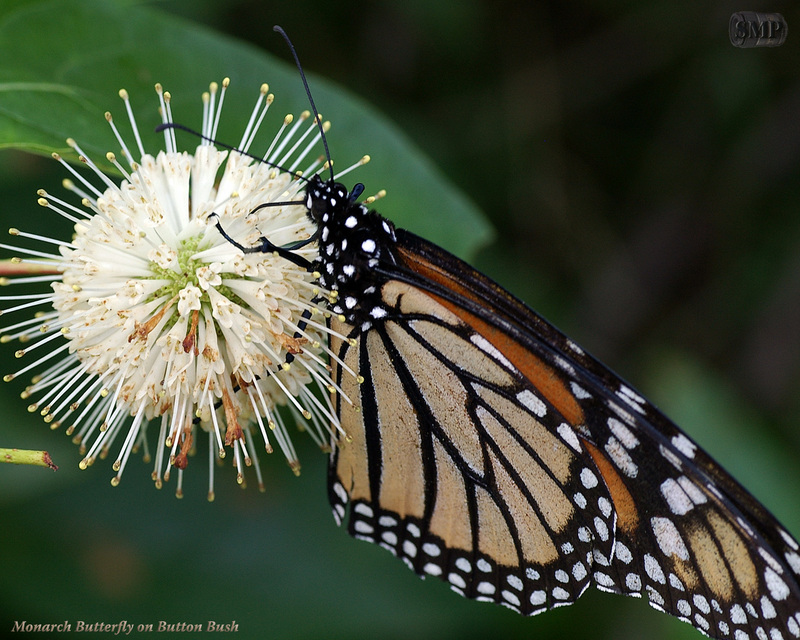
(353, 242)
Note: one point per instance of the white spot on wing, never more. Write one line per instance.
(738, 616)
(694, 492)
(684, 445)
(633, 582)
(338, 489)
(564, 365)
(464, 565)
(569, 436)
(515, 582)
(623, 434)
(777, 587)
(621, 457)
(679, 503)
(574, 347)
(560, 594)
(767, 556)
(603, 579)
(363, 509)
(655, 598)
(363, 527)
(622, 552)
(670, 457)
(623, 415)
(387, 521)
(390, 537)
(788, 539)
(588, 478)
(457, 580)
(484, 345)
(579, 392)
(632, 398)
(601, 528)
(767, 608)
(675, 583)
(794, 561)
(531, 402)
(701, 603)
(653, 569)
(702, 623)
(486, 588)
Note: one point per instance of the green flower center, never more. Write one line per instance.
(186, 275)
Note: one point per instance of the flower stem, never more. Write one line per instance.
(13, 267)
(26, 456)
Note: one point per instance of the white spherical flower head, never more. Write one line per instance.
(157, 317)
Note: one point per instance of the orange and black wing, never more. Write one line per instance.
(485, 447)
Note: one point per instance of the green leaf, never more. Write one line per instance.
(62, 64)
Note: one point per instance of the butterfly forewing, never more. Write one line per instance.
(688, 536)
(700, 547)
(456, 463)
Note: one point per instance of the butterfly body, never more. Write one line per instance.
(484, 447)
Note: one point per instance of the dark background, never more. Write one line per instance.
(642, 175)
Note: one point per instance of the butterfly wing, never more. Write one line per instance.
(700, 547)
(484, 447)
(447, 468)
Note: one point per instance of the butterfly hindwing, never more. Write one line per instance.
(456, 464)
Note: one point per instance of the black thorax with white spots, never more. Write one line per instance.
(353, 241)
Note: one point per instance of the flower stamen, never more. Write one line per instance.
(163, 318)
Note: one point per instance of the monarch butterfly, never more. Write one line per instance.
(485, 447)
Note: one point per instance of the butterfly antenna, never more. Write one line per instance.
(230, 147)
(280, 30)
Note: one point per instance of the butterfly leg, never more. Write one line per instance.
(266, 246)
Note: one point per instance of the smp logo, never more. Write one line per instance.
(750, 29)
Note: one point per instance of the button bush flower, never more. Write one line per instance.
(153, 321)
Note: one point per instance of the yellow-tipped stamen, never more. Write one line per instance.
(161, 316)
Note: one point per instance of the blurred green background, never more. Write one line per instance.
(643, 177)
